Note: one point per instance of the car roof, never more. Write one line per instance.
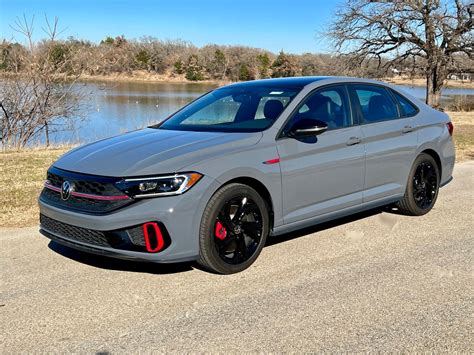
(299, 81)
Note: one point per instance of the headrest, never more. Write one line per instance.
(272, 109)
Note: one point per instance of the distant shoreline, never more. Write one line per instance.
(141, 76)
(421, 82)
(145, 77)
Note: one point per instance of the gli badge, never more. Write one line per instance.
(66, 190)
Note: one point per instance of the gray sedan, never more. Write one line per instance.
(246, 161)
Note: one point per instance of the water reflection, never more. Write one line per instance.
(117, 108)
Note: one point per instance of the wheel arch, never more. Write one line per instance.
(436, 157)
(261, 189)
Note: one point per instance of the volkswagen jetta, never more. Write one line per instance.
(246, 161)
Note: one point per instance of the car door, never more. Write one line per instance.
(325, 173)
(389, 138)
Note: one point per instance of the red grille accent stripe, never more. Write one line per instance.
(98, 197)
(51, 187)
(89, 196)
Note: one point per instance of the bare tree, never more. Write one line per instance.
(38, 99)
(431, 30)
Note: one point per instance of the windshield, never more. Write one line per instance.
(232, 109)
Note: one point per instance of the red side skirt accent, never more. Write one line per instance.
(272, 161)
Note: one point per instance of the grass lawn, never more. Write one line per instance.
(21, 181)
(463, 134)
(23, 173)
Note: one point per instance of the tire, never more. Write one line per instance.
(233, 208)
(423, 183)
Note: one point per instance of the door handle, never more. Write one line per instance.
(407, 129)
(353, 140)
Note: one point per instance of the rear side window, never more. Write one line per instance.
(376, 103)
(408, 109)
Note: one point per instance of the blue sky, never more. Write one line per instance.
(291, 25)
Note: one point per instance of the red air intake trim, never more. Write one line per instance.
(154, 241)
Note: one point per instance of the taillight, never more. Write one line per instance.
(450, 128)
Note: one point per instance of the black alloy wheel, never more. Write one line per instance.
(238, 230)
(422, 187)
(425, 184)
(234, 229)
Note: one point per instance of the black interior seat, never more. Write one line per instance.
(273, 109)
(379, 109)
(321, 108)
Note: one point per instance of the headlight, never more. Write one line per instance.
(158, 186)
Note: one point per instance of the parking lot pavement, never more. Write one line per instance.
(378, 281)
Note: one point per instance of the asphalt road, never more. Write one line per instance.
(378, 281)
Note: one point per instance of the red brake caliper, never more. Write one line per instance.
(220, 232)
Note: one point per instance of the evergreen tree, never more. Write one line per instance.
(179, 67)
(194, 71)
(263, 65)
(219, 65)
(142, 59)
(107, 40)
(284, 65)
(244, 72)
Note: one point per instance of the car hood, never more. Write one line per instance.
(152, 151)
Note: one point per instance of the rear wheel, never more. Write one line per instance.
(422, 187)
(234, 229)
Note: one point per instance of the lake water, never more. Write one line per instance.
(116, 108)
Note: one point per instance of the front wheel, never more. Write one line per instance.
(234, 228)
(422, 187)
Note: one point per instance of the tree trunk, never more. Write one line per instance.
(46, 134)
(433, 88)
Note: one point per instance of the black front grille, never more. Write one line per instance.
(81, 204)
(117, 239)
(79, 234)
(85, 184)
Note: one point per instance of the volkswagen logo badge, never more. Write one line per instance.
(66, 189)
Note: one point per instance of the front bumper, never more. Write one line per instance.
(181, 215)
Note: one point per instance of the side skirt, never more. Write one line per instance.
(286, 228)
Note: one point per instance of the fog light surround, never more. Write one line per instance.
(154, 240)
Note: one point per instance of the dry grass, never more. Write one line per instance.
(21, 180)
(23, 173)
(463, 134)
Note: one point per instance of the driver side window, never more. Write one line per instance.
(329, 105)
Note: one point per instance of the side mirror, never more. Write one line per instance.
(307, 128)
